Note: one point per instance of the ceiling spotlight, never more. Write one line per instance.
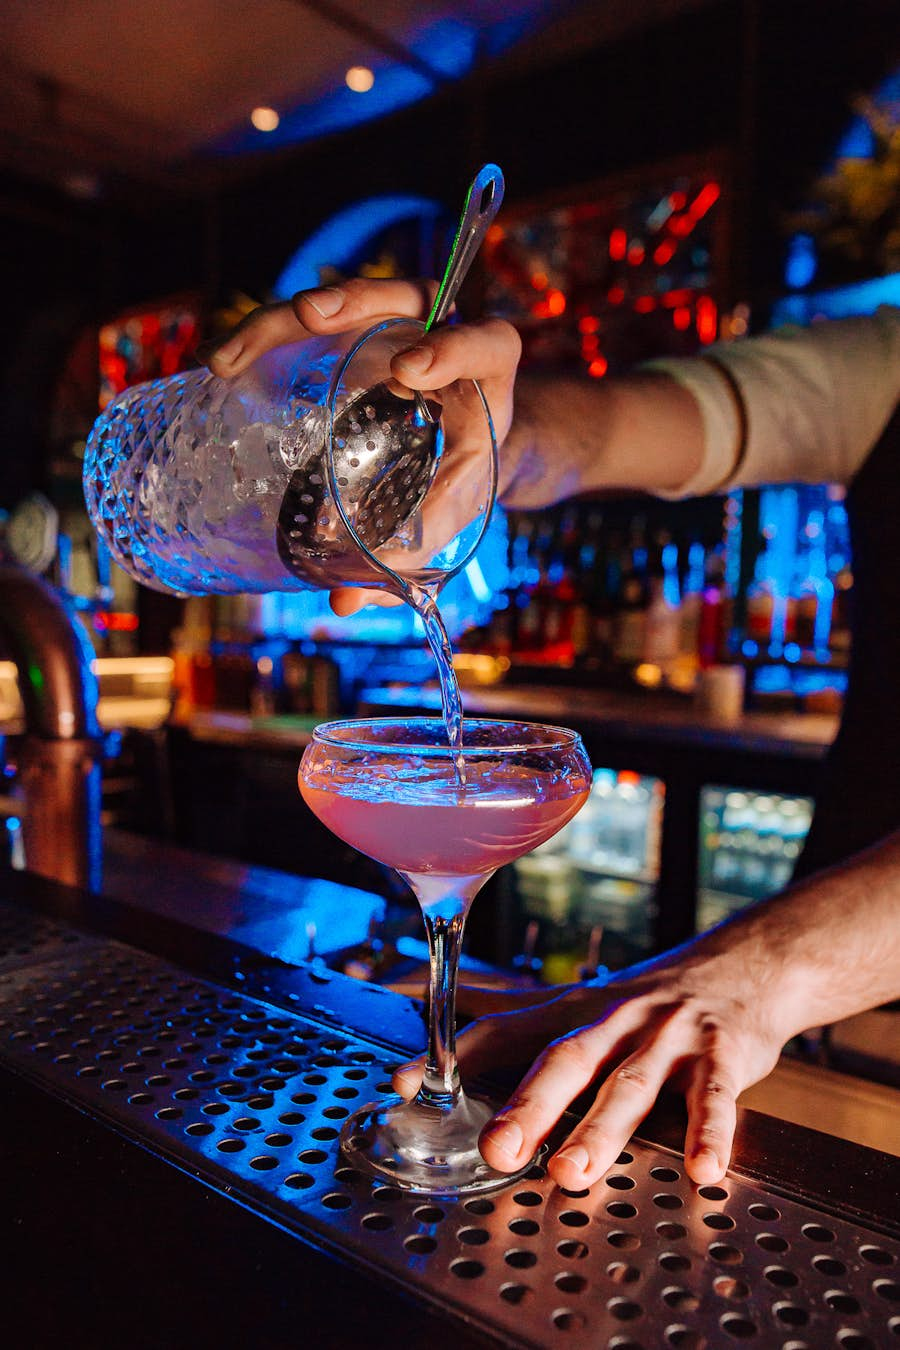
(360, 79)
(264, 119)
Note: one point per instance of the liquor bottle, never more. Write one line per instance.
(661, 635)
(630, 624)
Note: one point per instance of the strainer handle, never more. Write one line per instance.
(482, 204)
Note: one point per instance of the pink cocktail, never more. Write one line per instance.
(396, 791)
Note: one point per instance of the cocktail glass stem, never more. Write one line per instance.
(440, 1082)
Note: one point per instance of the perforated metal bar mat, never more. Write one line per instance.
(252, 1098)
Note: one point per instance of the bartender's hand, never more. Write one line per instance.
(487, 351)
(710, 1023)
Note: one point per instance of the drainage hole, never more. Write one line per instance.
(141, 1099)
(719, 1221)
(620, 1183)
(214, 1109)
(765, 1213)
(528, 1198)
(771, 1242)
(673, 1261)
(573, 1218)
(482, 1206)
(335, 1200)
(467, 1269)
(780, 1277)
(626, 1242)
(621, 1273)
(522, 1227)
(816, 1233)
(725, 1255)
(520, 1259)
(277, 1140)
(312, 1155)
(420, 1244)
(291, 1118)
(169, 1113)
(671, 1231)
(565, 1319)
(668, 1201)
(682, 1300)
(200, 1129)
(570, 1283)
(324, 1133)
(299, 1181)
(727, 1287)
(877, 1256)
(573, 1250)
(474, 1237)
(336, 1112)
(685, 1338)
(715, 1193)
(665, 1173)
(829, 1265)
(515, 1293)
(624, 1309)
(262, 1102)
(853, 1340)
(738, 1327)
(247, 1123)
(231, 1145)
(346, 1093)
(619, 1209)
(303, 1098)
(186, 1094)
(428, 1214)
(378, 1223)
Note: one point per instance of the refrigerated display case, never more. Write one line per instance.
(592, 888)
(749, 843)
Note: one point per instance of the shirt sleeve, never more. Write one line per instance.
(815, 401)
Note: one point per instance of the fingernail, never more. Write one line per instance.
(416, 361)
(505, 1135)
(706, 1155)
(227, 351)
(407, 1071)
(575, 1155)
(325, 302)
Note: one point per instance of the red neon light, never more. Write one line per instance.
(495, 234)
(615, 295)
(589, 324)
(704, 199)
(677, 202)
(590, 345)
(598, 367)
(707, 319)
(681, 318)
(644, 304)
(539, 281)
(113, 622)
(556, 303)
(618, 244)
(663, 252)
(681, 225)
(636, 254)
(671, 299)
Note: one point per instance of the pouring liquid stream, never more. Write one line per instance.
(423, 600)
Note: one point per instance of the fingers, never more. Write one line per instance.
(564, 1070)
(348, 599)
(487, 351)
(712, 1115)
(622, 1102)
(359, 302)
(329, 309)
(266, 327)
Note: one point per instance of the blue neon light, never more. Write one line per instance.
(339, 240)
(802, 263)
(862, 298)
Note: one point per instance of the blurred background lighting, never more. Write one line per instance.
(265, 119)
(360, 79)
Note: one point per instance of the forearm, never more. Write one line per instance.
(641, 432)
(826, 948)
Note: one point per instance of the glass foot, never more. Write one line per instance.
(420, 1148)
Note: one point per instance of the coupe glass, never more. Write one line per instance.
(394, 790)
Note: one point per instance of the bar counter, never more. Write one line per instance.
(172, 1103)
